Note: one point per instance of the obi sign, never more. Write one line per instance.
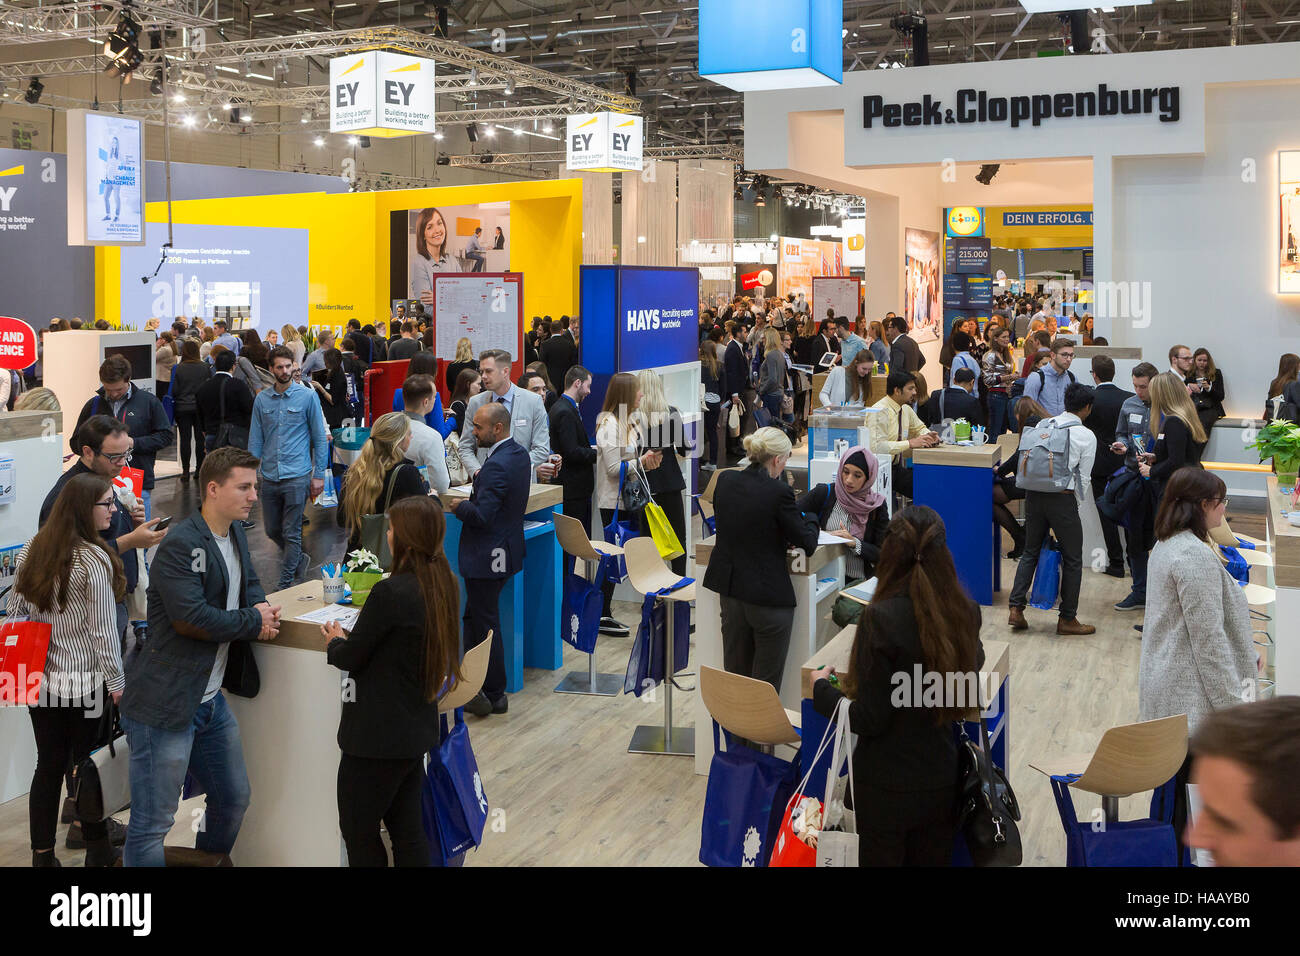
(603, 142)
(381, 94)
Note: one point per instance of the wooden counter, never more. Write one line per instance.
(876, 392)
(823, 556)
(539, 495)
(963, 456)
(1285, 539)
(997, 659)
(299, 599)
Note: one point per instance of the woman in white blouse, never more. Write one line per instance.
(852, 384)
(431, 255)
(294, 343)
(68, 578)
(617, 439)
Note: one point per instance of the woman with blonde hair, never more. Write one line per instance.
(380, 476)
(464, 359)
(772, 373)
(165, 357)
(1180, 439)
(663, 430)
(293, 341)
(37, 400)
(209, 339)
(757, 520)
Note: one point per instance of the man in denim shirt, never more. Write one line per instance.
(1047, 385)
(225, 338)
(288, 434)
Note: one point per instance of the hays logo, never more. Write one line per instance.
(642, 320)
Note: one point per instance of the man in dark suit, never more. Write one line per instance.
(206, 605)
(1102, 422)
(559, 354)
(735, 378)
(492, 543)
(955, 401)
(904, 354)
(237, 402)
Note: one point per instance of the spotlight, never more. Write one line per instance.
(913, 25)
(34, 90)
(306, 116)
(473, 76)
(547, 127)
(740, 192)
(987, 172)
(155, 85)
(472, 132)
(443, 161)
(759, 199)
(486, 158)
(122, 48)
(510, 86)
(437, 134)
(246, 116)
(353, 141)
(491, 131)
(188, 120)
(320, 141)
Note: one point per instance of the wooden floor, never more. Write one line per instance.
(557, 765)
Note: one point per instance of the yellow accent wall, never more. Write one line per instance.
(348, 244)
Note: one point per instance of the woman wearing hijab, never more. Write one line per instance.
(852, 509)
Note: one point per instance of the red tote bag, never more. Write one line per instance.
(23, 647)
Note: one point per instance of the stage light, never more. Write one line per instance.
(155, 85)
(437, 135)
(34, 90)
(510, 86)
(188, 120)
(759, 200)
(491, 131)
(352, 141)
(987, 172)
(245, 117)
(473, 76)
(122, 47)
(472, 132)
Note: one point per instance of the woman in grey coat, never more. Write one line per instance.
(772, 373)
(1198, 654)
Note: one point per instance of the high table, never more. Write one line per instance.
(994, 685)
(1284, 539)
(817, 579)
(531, 640)
(957, 482)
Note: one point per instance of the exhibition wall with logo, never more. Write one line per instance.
(1172, 147)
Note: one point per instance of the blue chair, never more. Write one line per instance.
(1129, 759)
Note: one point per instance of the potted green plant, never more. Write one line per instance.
(363, 573)
(1280, 441)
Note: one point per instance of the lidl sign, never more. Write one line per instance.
(603, 142)
(963, 221)
(382, 94)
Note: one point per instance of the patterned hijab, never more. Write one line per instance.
(858, 506)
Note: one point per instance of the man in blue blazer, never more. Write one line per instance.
(492, 543)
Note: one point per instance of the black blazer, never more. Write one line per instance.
(145, 420)
(188, 621)
(900, 748)
(669, 438)
(905, 355)
(735, 370)
(757, 519)
(493, 516)
(1105, 415)
(1175, 449)
(558, 354)
(239, 403)
(388, 716)
(1211, 401)
(957, 403)
(820, 502)
(569, 440)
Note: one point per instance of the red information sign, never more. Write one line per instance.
(17, 344)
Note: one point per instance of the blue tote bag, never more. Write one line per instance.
(1148, 842)
(648, 661)
(743, 804)
(582, 603)
(1047, 579)
(455, 806)
(619, 533)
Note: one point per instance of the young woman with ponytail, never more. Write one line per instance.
(920, 623)
(399, 662)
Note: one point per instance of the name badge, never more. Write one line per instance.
(1135, 418)
(521, 421)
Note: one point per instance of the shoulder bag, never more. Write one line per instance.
(101, 784)
(989, 810)
(374, 528)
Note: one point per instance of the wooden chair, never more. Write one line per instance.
(748, 708)
(647, 573)
(1130, 759)
(1224, 535)
(473, 670)
(575, 542)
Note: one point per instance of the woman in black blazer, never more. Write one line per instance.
(399, 662)
(757, 520)
(850, 508)
(1180, 439)
(906, 764)
(1207, 379)
(663, 430)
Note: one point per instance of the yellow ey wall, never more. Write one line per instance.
(348, 244)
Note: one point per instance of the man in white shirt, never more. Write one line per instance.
(896, 429)
(529, 425)
(1058, 512)
(426, 450)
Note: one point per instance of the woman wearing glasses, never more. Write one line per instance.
(70, 579)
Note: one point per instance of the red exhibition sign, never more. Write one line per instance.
(17, 344)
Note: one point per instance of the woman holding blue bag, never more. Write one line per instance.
(398, 665)
(617, 441)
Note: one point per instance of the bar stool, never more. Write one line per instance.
(748, 708)
(473, 670)
(647, 573)
(575, 542)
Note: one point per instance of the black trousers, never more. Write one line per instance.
(901, 479)
(580, 508)
(187, 423)
(371, 790)
(755, 639)
(712, 419)
(671, 502)
(483, 614)
(1110, 530)
(905, 828)
(65, 735)
(1059, 513)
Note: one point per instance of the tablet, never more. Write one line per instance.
(828, 360)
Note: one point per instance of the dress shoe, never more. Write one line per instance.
(69, 810)
(185, 477)
(480, 706)
(1017, 619)
(501, 705)
(1115, 570)
(45, 859)
(613, 628)
(1015, 553)
(1073, 627)
(76, 838)
(102, 853)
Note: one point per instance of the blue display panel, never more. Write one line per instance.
(760, 36)
(659, 322)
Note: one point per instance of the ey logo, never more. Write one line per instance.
(49, 174)
(345, 94)
(621, 141)
(397, 93)
(582, 141)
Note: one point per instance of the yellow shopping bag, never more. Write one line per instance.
(665, 538)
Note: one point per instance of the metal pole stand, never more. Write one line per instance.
(589, 683)
(677, 741)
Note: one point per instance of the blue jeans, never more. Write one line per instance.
(210, 749)
(478, 259)
(148, 505)
(282, 507)
(999, 414)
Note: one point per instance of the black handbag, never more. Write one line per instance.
(632, 491)
(101, 783)
(989, 810)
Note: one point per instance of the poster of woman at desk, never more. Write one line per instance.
(439, 240)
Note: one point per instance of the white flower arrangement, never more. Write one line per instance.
(362, 561)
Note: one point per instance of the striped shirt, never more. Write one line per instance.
(85, 649)
(853, 566)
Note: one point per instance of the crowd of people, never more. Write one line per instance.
(137, 619)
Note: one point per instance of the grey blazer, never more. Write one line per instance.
(529, 426)
(1197, 651)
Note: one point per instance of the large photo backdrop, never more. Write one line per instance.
(449, 239)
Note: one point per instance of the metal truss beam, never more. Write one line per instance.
(76, 19)
(732, 153)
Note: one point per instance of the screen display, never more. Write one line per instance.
(1288, 277)
(140, 357)
(658, 317)
(114, 150)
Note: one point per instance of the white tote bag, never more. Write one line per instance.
(839, 847)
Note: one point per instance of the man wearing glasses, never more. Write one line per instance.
(1047, 385)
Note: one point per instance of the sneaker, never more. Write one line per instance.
(248, 525)
(304, 565)
(1134, 602)
(613, 628)
(480, 706)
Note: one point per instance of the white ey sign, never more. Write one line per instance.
(603, 142)
(381, 94)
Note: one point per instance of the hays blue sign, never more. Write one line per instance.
(659, 322)
(771, 44)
